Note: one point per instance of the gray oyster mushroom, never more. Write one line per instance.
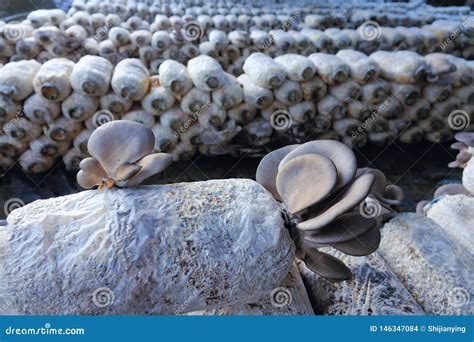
(121, 155)
(322, 215)
(465, 146)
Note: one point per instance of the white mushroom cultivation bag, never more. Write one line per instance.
(151, 249)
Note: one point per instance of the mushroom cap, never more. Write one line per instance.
(451, 189)
(356, 192)
(92, 166)
(459, 145)
(420, 206)
(119, 142)
(363, 245)
(465, 137)
(393, 195)
(305, 180)
(326, 265)
(341, 155)
(461, 159)
(87, 180)
(380, 182)
(267, 170)
(345, 228)
(150, 165)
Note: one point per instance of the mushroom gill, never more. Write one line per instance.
(328, 202)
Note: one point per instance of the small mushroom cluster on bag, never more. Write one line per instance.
(465, 146)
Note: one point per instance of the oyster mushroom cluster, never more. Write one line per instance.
(327, 198)
(122, 155)
(465, 146)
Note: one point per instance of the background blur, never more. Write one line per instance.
(13, 7)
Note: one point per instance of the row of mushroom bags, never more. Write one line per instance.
(205, 83)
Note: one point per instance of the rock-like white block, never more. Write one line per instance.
(288, 299)
(435, 268)
(455, 213)
(145, 250)
(373, 289)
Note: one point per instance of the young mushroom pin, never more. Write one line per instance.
(121, 155)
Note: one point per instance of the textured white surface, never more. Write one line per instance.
(290, 298)
(373, 289)
(436, 269)
(455, 214)
(468, 175)
(159, 249)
